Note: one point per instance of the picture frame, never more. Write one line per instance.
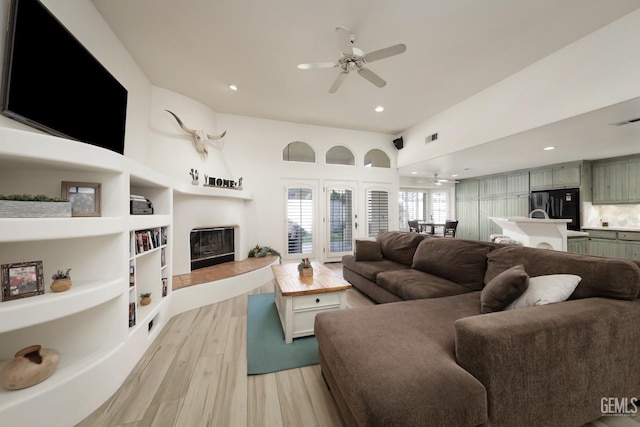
(85, 197)
(22, 280)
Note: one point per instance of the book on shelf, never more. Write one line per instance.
(163, 257)
(163, 236)
(132, 275)
(165, 284)
(132, 314)
(147, 240)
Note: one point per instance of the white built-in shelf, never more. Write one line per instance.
(71, 366)
(20, 148)
(199, 190)
(24, 312)
(143, 222)
(33, 229)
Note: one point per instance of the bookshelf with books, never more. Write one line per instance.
(150, 270)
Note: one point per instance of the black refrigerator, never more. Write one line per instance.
(558, 204)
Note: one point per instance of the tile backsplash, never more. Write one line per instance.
(615, 215)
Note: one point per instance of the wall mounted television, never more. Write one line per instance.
(53, 83)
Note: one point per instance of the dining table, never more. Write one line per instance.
(430, 225)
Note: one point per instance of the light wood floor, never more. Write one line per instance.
(195, 374)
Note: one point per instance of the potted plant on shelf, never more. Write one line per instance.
(195, 177)
(305, 268)
(262, 251)
(145, 298)
(30, 206)
(61, 281)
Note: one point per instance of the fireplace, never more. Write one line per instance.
(211, 246)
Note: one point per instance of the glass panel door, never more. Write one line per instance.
(300, 221)
(340, 224)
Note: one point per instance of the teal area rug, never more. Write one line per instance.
(266, 349)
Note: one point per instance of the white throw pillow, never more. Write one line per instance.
(544, 290)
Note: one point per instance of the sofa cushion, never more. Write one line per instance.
(367, 250)
(461, 261)
(370, 269)
(503, 289)
(601, 277)
(412, 284)
(394, 364)
(399, 246)
(545, 290)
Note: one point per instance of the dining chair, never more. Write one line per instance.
(413, 226)
(450, 227)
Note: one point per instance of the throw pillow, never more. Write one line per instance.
(504, 289)
(368, 250)
(548, 289)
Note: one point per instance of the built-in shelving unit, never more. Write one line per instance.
(88, 324)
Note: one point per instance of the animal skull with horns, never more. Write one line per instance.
(201, 137)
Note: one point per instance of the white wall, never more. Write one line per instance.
(596, 71)
(254, 151)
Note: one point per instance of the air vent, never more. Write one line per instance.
(626, 122)
(431, 138)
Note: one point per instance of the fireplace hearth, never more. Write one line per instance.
(211, 246)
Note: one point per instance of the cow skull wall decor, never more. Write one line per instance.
(201, 137)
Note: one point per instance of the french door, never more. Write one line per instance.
(340, 221)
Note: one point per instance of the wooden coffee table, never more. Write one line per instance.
(300, 298)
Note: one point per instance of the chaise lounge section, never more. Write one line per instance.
(444, 360)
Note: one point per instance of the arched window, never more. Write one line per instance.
(298, 151)
(340, 155)
(376, 159)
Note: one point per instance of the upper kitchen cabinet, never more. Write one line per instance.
(566, 175)
(616, 181)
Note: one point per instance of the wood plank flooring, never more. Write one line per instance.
(195, 374)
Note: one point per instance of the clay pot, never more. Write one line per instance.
(145, 301)
(60, 285)
(30, 366)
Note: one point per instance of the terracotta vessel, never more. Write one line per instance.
(60, 285)
(30, 366)
(145, 301)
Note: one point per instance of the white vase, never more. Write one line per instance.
(195, 182)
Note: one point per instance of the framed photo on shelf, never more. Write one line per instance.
(21, 280)
(84, 197)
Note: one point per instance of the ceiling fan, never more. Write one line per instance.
(438, 181)
(354, 59)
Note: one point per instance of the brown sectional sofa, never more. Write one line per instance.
(430, 357)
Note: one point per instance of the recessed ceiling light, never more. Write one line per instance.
(454, 175)
(414, 173)
(549, 148)
(233, 87)
(379, 109)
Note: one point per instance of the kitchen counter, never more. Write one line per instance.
(612, 228)
(572, 233)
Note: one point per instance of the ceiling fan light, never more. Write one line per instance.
(379, 109)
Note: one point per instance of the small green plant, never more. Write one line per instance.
(145, 295)
(62, 275)
(194, 174)
(305, 263)
(261, 251)
(31, 198)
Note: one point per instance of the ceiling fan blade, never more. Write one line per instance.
(317, 65)
(338, 81)
(344, 38)
(372, 77)
(377, 55)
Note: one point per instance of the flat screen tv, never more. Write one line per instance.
(53, 83)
